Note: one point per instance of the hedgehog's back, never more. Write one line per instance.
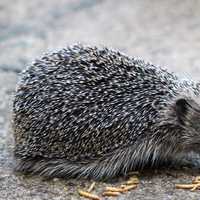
(83, 102)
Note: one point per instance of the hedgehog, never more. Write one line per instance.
(94, 112)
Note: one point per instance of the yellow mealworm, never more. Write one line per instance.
(88, 195)
(111, 194)
(91, 187)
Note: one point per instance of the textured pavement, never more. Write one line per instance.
(166, 33)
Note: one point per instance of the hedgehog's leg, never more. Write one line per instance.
(194, 158)
(189, 159)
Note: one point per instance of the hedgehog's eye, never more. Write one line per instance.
(181, 109)
(181, 106)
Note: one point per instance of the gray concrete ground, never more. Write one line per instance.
(166, 33)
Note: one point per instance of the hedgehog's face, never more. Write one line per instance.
(188, 116)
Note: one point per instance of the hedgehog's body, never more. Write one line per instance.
(97, 113)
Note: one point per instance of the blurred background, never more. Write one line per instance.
(165, 33)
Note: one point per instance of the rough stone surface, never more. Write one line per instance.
(165, 33)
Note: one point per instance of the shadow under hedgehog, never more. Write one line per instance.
(96, 113)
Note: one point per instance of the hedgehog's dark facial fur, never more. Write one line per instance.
(97, 113)
(188, 115)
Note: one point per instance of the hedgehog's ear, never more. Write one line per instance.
(181, 109)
